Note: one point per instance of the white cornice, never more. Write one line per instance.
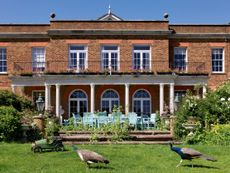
(108, 80)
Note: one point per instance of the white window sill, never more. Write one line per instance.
(3, 73)
(217, 72)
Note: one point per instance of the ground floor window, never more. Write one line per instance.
(179, 95)
(109, 99)
(78, 103)
(35, 95)
(142, 102)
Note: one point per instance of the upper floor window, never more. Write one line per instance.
(38, 54)
(218, 60)
(180, 58)
(141, 58)
(78, 57)
(110, 58)
(3, 61)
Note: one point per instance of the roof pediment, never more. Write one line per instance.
(109, 17)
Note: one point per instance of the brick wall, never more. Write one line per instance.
(200, 28)
(127, 25)
(200, 51)
(161, 47)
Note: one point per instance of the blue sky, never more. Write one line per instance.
(180, 11)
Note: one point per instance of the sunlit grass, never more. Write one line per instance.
(18, 158)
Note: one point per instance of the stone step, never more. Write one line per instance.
(150, 132)
(121, 142)
(133, 137)
(151, 137)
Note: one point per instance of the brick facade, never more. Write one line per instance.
(161, 36)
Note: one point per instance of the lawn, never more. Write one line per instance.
(123, 159)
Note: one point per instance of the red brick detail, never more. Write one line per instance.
(142, 41)
(183, 88)
(74, 41)
(3, 44)
(109, 41)
(217, 44)
(38, 44)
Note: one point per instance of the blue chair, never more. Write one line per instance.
(65, 122)
(102, 114)
(102, 120)
(77, 119)
(123, 118)
(116, 116)
(145, 122)
(132, 116)
(153, 117)
(89, 119)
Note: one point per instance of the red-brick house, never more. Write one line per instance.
(90, 65)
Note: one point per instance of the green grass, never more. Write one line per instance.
(17, 158)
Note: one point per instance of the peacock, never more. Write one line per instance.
(189, 154)
(89, 157)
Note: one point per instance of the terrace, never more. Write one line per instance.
(106, 67)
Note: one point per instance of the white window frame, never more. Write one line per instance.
(181, 94)
(38, 62)
(109, 54)
(78, 100)
(78, 52)
(186, 57)
(141, 57)
(223, 60)
(1, 59)
(142, 99)
(33, 95)
(110, 99)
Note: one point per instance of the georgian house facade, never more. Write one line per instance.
(91, 65)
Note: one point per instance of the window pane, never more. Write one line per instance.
(77, 47)
(137, 107)
(146, 107)
(38, 63)
(114, 61)
(217, 60)
(141, 59)
(73, 107)
(137, 61)
(180, 58)
(141, 47)
(110, 48)
(78, 94)
(105, 105)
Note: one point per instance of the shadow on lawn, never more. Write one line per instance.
(101, 167)
(201, 166)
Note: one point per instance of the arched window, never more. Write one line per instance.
(78, 102)
(142, 102)
(109, 99)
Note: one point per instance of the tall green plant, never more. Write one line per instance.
(9, 123)
(8, 98)
(213, 109)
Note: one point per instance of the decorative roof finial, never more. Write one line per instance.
(109, 12)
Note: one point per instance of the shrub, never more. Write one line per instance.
(9, 123)
(20, 103)
(212, 110)
(51, 127)
(219, 134)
